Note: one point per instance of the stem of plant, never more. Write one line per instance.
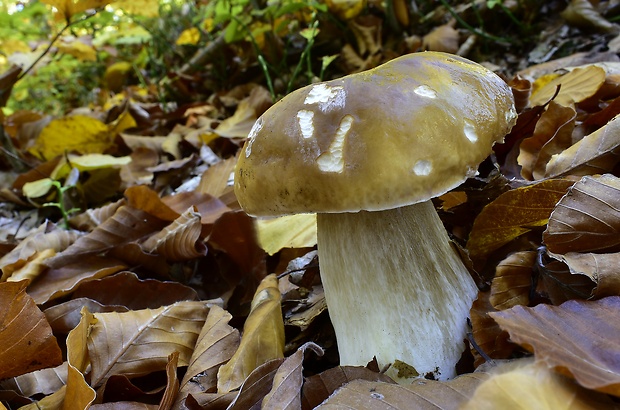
(61, 203)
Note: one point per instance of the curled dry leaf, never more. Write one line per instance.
(319, 387)
(179, 241)
(25, 336)
(139, 342)
(581, 13)
(91, 218)
(490, 338)
(287, 382)
(578, 338)
(552, 135)
(44, 381)
(575, 86)
(33, 267)
(524, 385)
(64, 317)
(263, 337)
(422, 394)
(513, 280)
(596, 153)
(256, 386)
(602, 269)
(587, 218)
(512, 214)
(521, 89)
(172, 386)
(78, 394)
(216, 344)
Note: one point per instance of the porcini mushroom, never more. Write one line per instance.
(367, 152)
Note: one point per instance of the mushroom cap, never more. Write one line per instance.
(401, 133)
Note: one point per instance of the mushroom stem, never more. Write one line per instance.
(395, 287)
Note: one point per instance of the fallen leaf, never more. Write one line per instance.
(525, 386)
(45, 381)
(25, 336)
(596, 153)
(513, 280)
(79, 395)
(172, 386)
(581, 13)
(580, 339)
(262, 340)
(512, 214)
(290, 231)
(139, 342)
(602, 269)
(587, 218)
(487, 334)
(422, 394)
(576, 85)
(256, 386)
(288, 380)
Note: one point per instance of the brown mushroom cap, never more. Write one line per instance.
(404, 132)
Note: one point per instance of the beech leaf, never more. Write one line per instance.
(512, 214)
(576, 85)
(578, 338)
(513, 280)
(587, 218)
(262, 340)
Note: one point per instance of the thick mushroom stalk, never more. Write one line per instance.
(395, 287)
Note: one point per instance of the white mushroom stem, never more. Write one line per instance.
(395, 288)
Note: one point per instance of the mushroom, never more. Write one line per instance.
(367, 152)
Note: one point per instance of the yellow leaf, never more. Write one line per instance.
(576, 86)
(88, 162)
(191, 36)
(262, 340)
(346, 9)
(532, 386)
(77, 49)
(36, 189)
(291, 231)
(70, 8)
(146, 8)
(76, 133)
(116, 75)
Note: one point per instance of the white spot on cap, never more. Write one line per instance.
(327, 98)
(470, 132)
(306, 124)
(425, 91)
(422, 167)
(258, 125)
(511, 115)
(332, 160)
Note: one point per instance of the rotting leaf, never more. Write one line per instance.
(580, 339)
(587, 218)
(262, 340)
(512, 214)
(25, 336)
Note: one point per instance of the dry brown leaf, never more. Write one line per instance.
(121, 290)
(558, 285)
(45, 381)
(33, 268)
(487, 334)
(172, 386)
(576, 85)
(215, 180)
(587, 218)
(46, 236)
(208, 207)
(552, 135)
(137, 171)
(423, 394)
(521, 89)
(581, 13)
(216, 344)
(91, 218)
(262, 340)
(63, 280)
(25, 336)
(66, 316)
(139, 342)
(602, 269)
(288, 380)
(179, 241)
(512, 214)
(578, 338)
(256, 386)
(513, 280)
(145, 199)
(442, 38)
(319, 387)
(126, 225)
(524, 386)
(78, 394)
(596, 153)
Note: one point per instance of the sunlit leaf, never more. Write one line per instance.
(190, 36)
(77, 49)
(38, 188)
(146, 8)
(577, 85)
(291, 231)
